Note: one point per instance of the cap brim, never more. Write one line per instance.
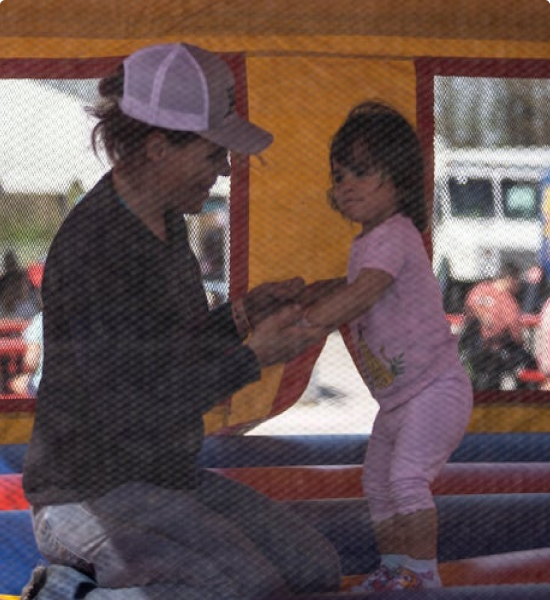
(238, 135)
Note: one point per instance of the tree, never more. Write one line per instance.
(492, 112)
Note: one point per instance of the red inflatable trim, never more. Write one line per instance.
(11, 493)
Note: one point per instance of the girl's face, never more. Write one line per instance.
(363, 195)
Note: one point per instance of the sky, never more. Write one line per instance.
(45, 135)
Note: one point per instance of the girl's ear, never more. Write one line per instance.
(156, 146)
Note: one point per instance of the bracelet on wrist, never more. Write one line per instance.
(240, 318)
(304, 320)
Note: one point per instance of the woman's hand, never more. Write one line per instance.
(280, 338)
(267, 298)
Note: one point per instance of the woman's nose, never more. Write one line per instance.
(224, 166)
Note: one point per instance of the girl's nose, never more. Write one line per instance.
(347, 182)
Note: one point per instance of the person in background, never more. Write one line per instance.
(542, 345)
(495, 305)
(133, 358)
(35, 273)
(402, 342)
(491, 343)
(16, 301)
(10, 268)
(26, 382)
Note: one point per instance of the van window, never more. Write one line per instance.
(471, 198)
(519, 199)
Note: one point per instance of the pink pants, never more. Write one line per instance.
(410, 444)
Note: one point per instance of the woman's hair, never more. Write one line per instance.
(385, 140)
(123, 137)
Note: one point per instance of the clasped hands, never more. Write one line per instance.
(275, 313)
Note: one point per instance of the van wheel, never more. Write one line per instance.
(453, 299)
(453, 291)
(447, 286)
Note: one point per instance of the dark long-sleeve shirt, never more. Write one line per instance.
(132, 357)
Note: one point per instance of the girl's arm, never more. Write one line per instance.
(348, 300)
(314, 292)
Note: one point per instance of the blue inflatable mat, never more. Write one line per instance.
(18, 551)
(503, 447)
(469, 526)
(224, 451)
(485, 592)
(67, 584)
(11, 458)
(257, 451)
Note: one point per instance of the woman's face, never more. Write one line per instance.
(186, 174)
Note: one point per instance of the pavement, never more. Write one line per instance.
(336, 400)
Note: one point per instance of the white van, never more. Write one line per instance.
(486, 212)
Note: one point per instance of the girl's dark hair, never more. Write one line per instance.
(390, 145)
(123, 137)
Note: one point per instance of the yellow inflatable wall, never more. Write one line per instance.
(307, 63)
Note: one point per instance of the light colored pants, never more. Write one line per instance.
(410, 444)
(220, 541)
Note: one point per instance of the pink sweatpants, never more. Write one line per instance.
(410, 444)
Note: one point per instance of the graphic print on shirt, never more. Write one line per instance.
(380, 375)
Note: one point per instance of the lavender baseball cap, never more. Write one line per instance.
(185, 88)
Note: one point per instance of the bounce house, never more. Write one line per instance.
(299, 67)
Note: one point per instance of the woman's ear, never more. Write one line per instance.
(156, 146)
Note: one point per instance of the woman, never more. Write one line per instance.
(133, 359)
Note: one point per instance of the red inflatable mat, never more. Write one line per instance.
(344, 481)
(11, 493)
(509, 568)
(493, 478)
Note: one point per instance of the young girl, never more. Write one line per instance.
(403, 345)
